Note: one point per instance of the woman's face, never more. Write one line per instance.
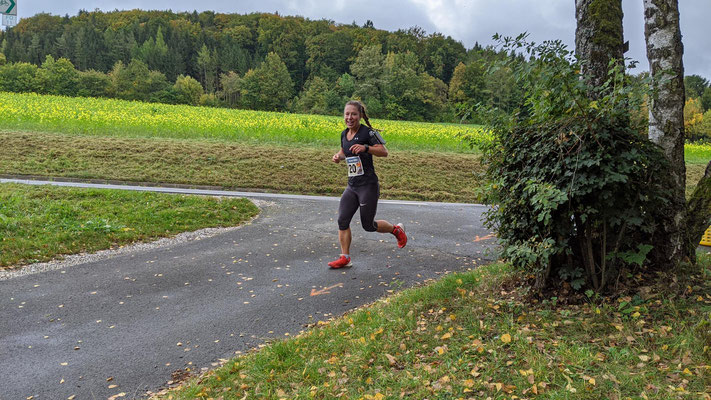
(351, 115)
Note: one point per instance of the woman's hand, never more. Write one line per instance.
(336, 158)
(357, 148)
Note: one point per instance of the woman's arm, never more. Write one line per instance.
(339, 156)
(378, 150)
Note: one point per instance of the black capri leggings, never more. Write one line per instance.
(365, 197)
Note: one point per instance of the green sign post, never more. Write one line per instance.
(8, 7)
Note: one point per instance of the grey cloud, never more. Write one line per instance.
(468, 21)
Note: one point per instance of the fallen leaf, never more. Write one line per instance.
(391, 359)
(506, 338)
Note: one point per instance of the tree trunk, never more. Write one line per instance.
(598, 37)
(666, 120)
(700, 208)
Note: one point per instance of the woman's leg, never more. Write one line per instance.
(368, 196)
(346, 209)
(344, 238)
(384, 226)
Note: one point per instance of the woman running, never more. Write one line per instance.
(359, 144)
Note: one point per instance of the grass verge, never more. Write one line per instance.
(409, 175)
(287, 169)
(39, 223)
(470, 335)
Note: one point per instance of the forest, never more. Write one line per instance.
(256, 61)
(270, 62)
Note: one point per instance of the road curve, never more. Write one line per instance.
(126, 323)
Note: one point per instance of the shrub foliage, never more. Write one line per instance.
(574, 183)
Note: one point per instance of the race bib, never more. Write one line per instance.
(355, 166)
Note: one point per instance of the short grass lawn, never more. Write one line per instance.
(39, 223)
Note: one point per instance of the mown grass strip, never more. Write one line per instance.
(287, 169)
(119, 118)
(466, 336)
(39, 223)
(410, 175)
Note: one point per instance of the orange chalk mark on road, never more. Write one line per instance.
(487, 237)
(325, 290)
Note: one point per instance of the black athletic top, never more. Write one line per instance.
(365, 135)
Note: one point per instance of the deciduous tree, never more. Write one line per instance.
(666, 121)
(269, 86)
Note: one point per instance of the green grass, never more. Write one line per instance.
(471, 335)
(412, 175)
(120, 119)
(40, 223)
(288, 169)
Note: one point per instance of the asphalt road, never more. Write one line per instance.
(128, 323)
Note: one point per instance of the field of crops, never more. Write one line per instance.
(31, 112)
(109, 117)
(697, 153)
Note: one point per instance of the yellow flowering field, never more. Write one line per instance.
(101, 117)
(697, 153)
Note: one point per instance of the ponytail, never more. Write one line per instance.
(361, 110)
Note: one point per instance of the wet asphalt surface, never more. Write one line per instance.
(132, 322)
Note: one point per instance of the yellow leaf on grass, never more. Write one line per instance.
(469, 383)
(506, 338)
(592, 381)
(446, 336)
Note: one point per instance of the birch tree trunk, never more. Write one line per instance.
(598, 37)
(666, 119)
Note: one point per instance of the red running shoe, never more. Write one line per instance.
(399, 232)
(341, 262)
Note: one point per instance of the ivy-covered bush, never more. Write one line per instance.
(574, 184)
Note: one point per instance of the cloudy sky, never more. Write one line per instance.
(468, 21)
